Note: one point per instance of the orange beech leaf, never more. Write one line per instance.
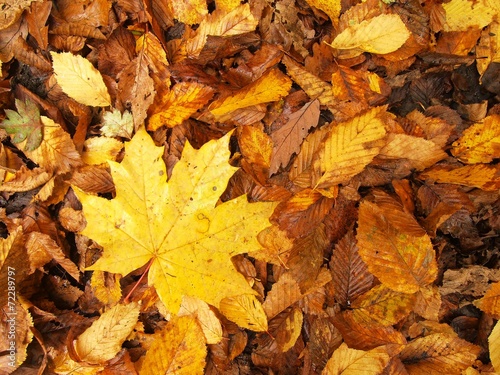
(287, 139)
(276, 246)
(351, 361)
(221, 23)
(482, 176)
(256, 148)
(480, 143)
(246, 311)
(490, 303)
(382, 305)
(179, 103)
(271, 87)
(179, 348)
(349, 147)
(436, 129)
(428, 303)
(362, 336)
(25, 179)
(103, 339)
(183, 235)
(401, 260)
(314, 87)
(350, 276)
(438, 353)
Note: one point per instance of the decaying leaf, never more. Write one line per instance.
(135, 229)
(116, 124)
(24, 124)
(80, 80)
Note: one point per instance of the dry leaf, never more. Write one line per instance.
(494, 342)
(246, 311)
(348, 361)
(134, 229)
(463, 14)
(116, 124)
(490, 303)
(207, 319)
(80, 80)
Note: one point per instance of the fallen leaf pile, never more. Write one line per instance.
(250, 187)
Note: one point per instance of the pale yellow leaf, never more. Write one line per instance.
(480, 143)
(179, 348)
(116, 124)
(181, 102)
(347, 361)
(246, 311)
(464, 14)
(80, 80)
(381, 34)
(98, 150)
(272, 86)
(349, 148)
(104, 338)
(209, 323)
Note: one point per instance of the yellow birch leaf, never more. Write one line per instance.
(332, 8)
(189, 12)
(349, 148)
(494, 346)
(420, 152)
(438, 353)
(381, 34)
(463, 14)
(402, 261)
(480, 143)
(482, 176)
(490, 303)
(347, 361)
(175, 226)
(272, 86)
(104, 338)
(220, 23)
(98, 150)
(180, 103)
(57, 152)
(80, 80)
(178, 349)
(209, 323)
(246, 311)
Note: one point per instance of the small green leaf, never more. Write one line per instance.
(24, 124)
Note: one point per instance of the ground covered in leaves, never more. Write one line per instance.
(250, 187)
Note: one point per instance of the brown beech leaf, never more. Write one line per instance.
(437, 354)
(256, 148)
(350, 276)
(286, 327)
(402, 260)
(288, 138)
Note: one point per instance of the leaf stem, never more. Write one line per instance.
(126, 300)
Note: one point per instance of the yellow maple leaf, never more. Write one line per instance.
(480, 143)
(271, 87)
(381, 34)
(176, 225)
(182, 101)
(80, 80)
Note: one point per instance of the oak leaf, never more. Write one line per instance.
(80, 80)
(24, 124)
(381, 34)
(175, 226)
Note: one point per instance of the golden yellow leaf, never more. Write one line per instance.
(104, 338)
(347, 361)
(227, 5)
(106, 287)
(381, 34)
(176, 225)
(209, 323)
(98, 150)
(494, 344)
(482, 176)
(272, 86)
(189, 12)
(57, 152)
(220, 23)
(25, 179)
(402, 261)
(420, 152)
(490, 303)
(480, 143)
(463, 14)
(332, 8)
(438, 353)
(349, 148)
(182, 101)
(178, 349)
(80, 80)
(246, 311)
